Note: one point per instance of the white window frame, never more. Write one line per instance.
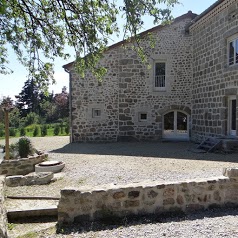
(233, 39)
(160, 80)
(141, 119)
(95, 114)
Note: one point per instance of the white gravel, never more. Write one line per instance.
(121, 163)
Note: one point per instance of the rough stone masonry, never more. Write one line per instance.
(95, 203)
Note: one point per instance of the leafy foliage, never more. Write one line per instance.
(38, 31)
(56, 130)
(22, 132)
(36, 131)
(12, 131)
(44, 130)
(25, 147)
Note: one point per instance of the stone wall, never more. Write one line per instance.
(147, 198)
(3, 213)
(21, 166)
(128, 88)
(213, 79)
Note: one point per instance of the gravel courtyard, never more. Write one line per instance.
(121, 163)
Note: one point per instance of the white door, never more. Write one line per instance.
(175, 125)
(232, 116)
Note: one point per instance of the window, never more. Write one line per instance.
(142, 116)
(160, 75)
(96, 112)
(233, 51)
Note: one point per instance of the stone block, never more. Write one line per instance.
(119, 195)
(14, 181)
(168, 201)
(152, 194)
(39, 178)
(133, 194)
(130, 203)
(230, 172)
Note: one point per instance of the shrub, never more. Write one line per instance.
(56, 130)
(12, 132)
(67, 129)
(22, 132)
(13, 151)
(31, 118)
(25, 147)
(36, 131)
(2, 132)
(44, 130)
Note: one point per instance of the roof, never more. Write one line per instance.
(204, 13)
(189, 14)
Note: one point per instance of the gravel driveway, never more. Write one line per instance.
(121, 163)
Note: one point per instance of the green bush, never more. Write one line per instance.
(25, 147)
(56, 130)
(22, 132)
(31, 118)
(14, 151)
(44, 130)
(36, 131)
(2, 132)
(12, 132)
(67, 129)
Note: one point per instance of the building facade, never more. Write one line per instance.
(188, 92)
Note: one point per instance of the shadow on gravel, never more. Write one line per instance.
(177, 150)
(111, 224)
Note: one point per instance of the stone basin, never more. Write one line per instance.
(50, 166)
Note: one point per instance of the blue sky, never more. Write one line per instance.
(12, 84)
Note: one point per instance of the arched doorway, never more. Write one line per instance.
(176, 125)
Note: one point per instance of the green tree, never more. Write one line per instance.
(36, 131)
(22, 131)
(61, 101)
(39, 30)
(44, 130)
(56, 130)
(29, 98)
(14, 118)
(31, 118)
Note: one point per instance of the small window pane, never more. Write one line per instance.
(160, 75)
(142, 116)
(96, 112)
(231, 52)
(159, 69)
(169, 122)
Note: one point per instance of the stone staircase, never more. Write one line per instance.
(25, 208)
(210, 144)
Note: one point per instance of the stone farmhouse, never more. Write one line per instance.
(190, 92)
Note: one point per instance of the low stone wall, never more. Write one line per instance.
(39, 178)
(3, 213)
(147, 198)
(21, 166)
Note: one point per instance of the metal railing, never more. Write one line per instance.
(160, 81)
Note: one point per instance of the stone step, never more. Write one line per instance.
(25, 208)
(38, 212)
(206, 146)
